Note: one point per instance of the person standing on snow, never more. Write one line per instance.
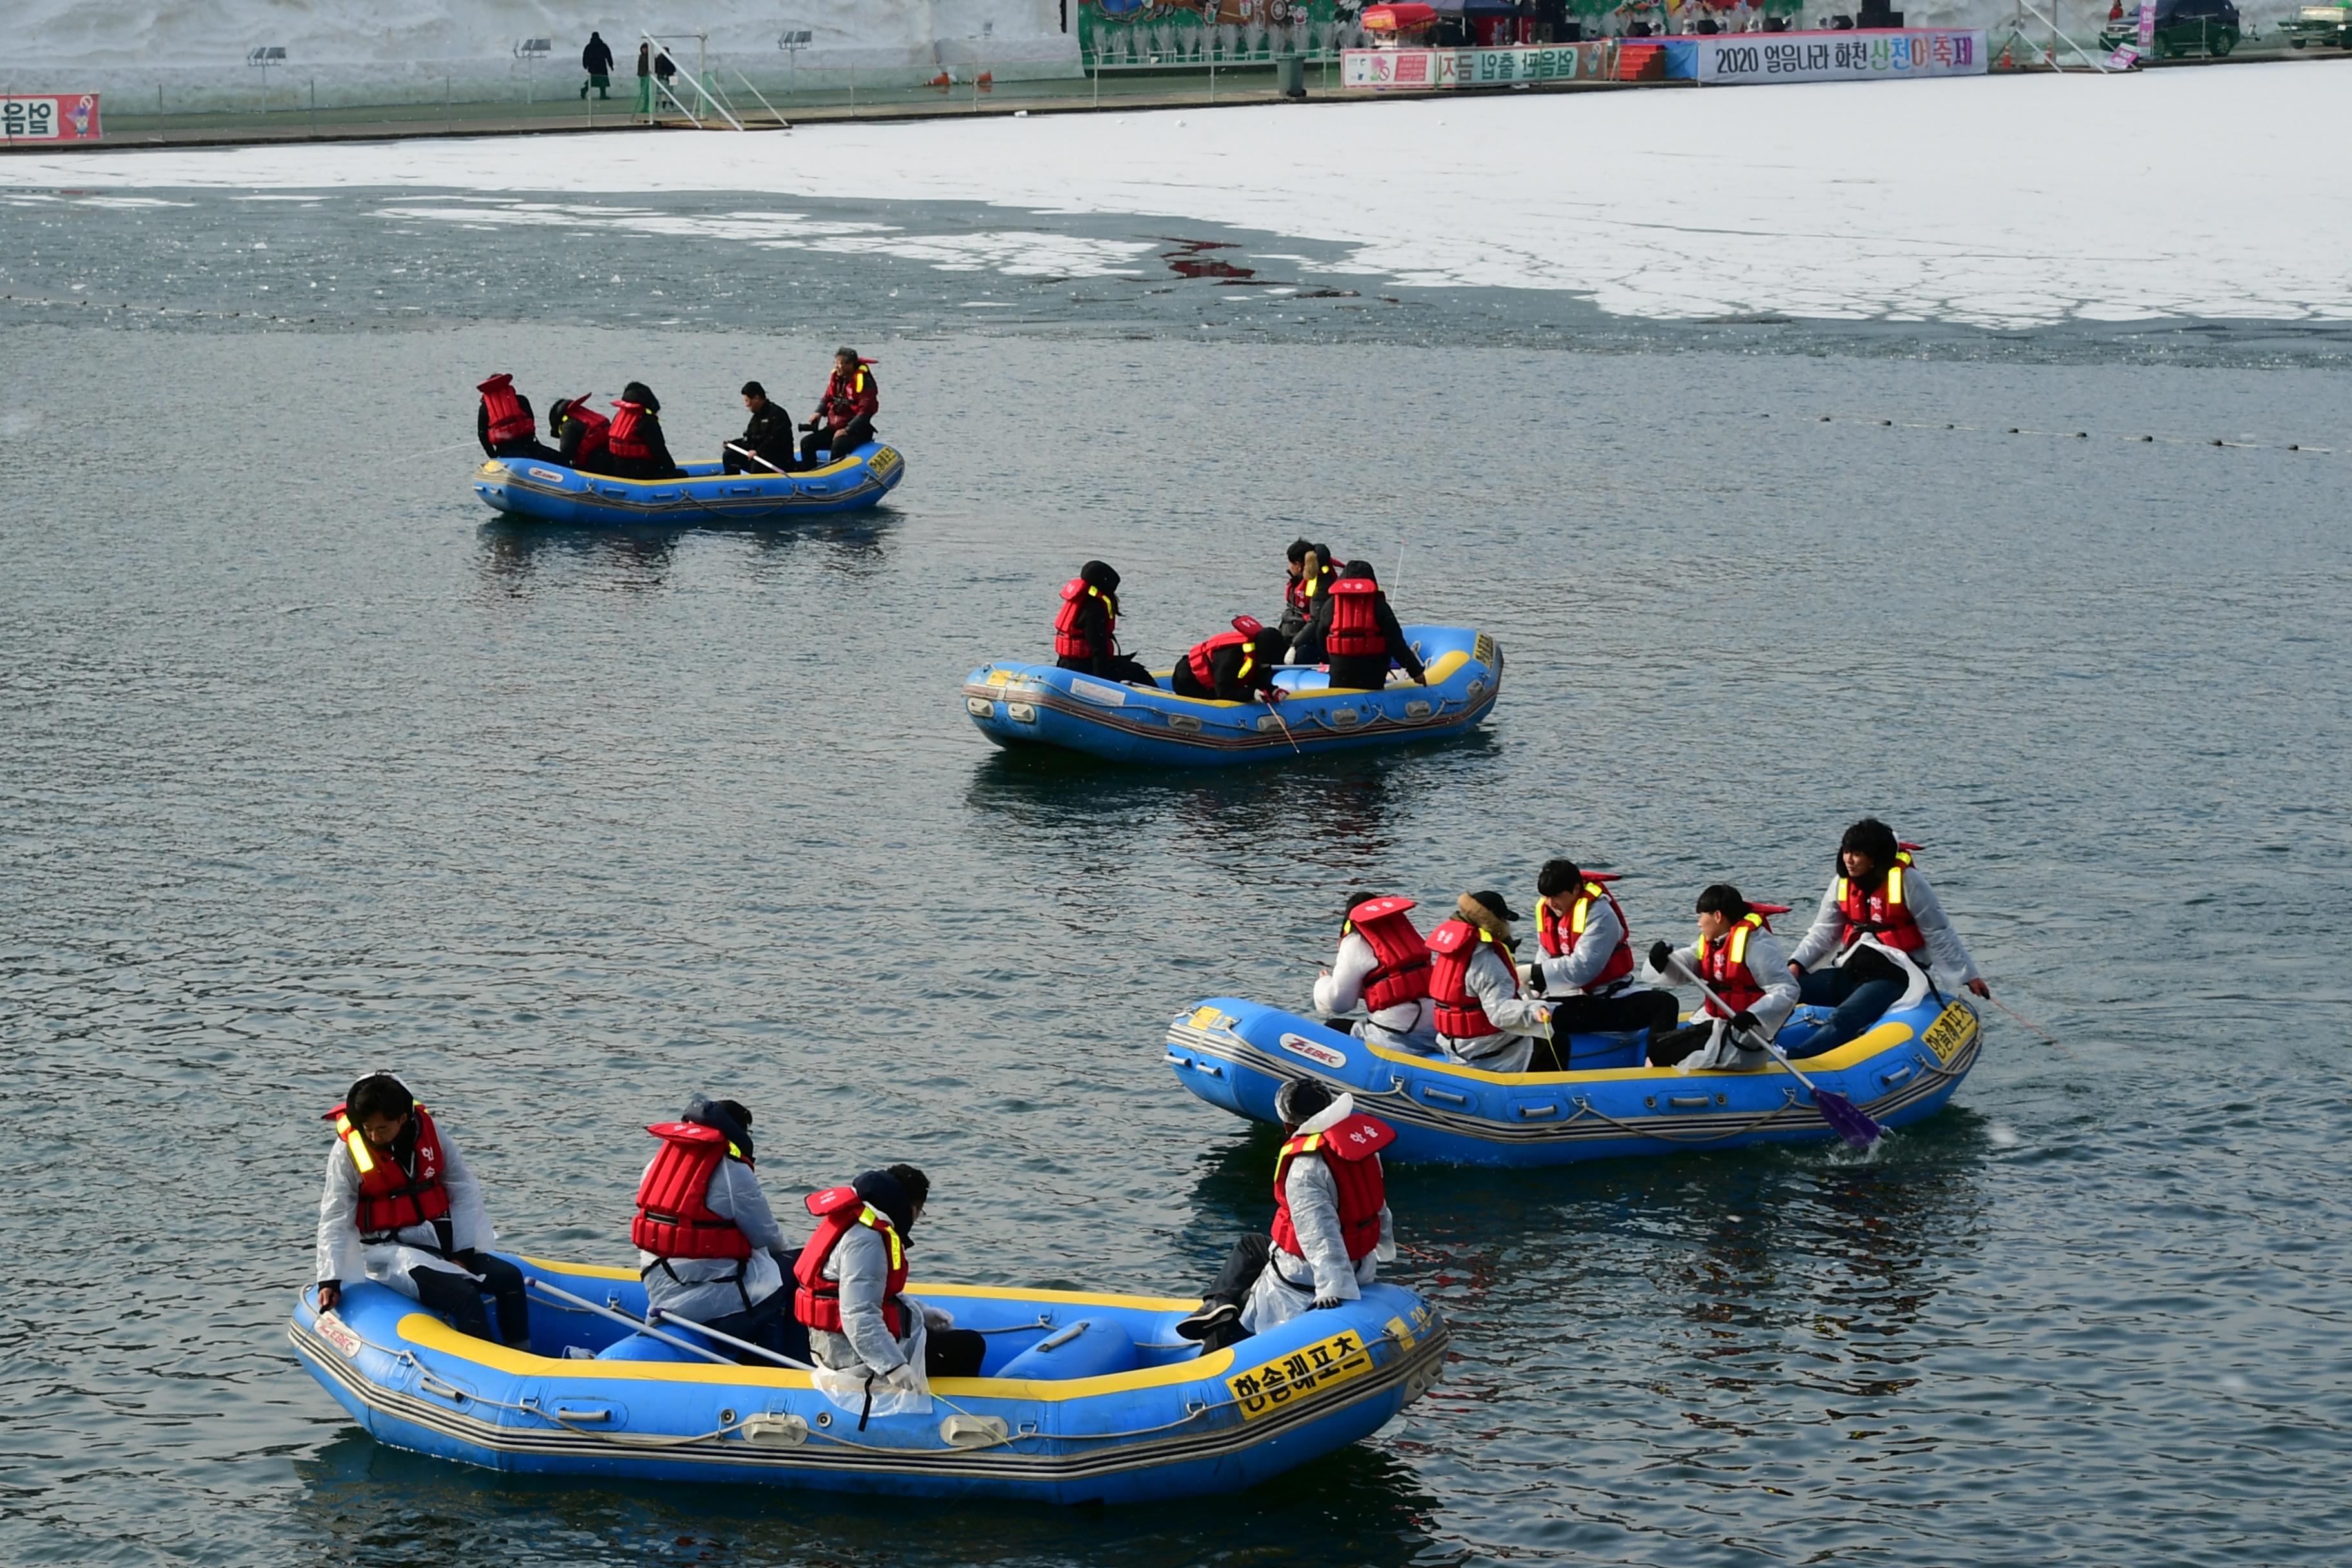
(596, 59)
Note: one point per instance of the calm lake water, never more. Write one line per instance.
(308, 768)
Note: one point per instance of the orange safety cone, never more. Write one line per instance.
(987, 82)
(942, 81)
(2006, 63)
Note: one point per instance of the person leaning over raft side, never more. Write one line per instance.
(581, 433)
(1237, 666)
(1740, 960)
(1316, 572)
(708, 1249)
(844, 413)
(1086, 628)
(1332, 1229)
(1877, 891)
(1358, 633)
(504, 424)
(1586, 972)
(1482, 1019)
(596, 59)
(635, 444)
(851, 1275)
(1383, 962)
(769, 435)
(401, 1208)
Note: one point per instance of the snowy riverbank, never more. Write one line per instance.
(1997, 202)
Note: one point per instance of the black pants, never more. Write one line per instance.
(841, 442)
(770, 1324)
(458, 1300)
(1232, 1286)
(953, 1353)
(1674, 1045)
(1118, 668)
(1620, 1014)
(1360, 672)
(545, 454)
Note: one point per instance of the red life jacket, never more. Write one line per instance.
(508, 421)
(1398, 950)
(592, 428)
(1070, 642)
(621, 438)
(1559, 937)
(1452, 946)
(674, 1215)
(1355, 630)
(391, 1198)
(847, 396)
(1351, 1147)
(1885, 908)
(817, 1302)
(1202, 671)
(1723, 964)
(1295, 592)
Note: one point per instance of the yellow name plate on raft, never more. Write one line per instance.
(1322, 1365)
(1952, 1029)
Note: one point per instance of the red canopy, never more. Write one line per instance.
(1397, 18)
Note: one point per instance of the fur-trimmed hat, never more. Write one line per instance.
(1488, 912)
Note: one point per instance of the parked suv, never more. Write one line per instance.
(2182, 28)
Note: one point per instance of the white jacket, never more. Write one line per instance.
(1408, 1025)
(1289, 1283)
(1946, 954)
(1574, 969)
(1491, 979)
(1767, 963)
(342, 1254)
(704, 1287)
(861, 1264)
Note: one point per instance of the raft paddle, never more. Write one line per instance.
(727, 1339)
(618, 1316)
(755, 456)
(1846, 1119)
(1278, 719)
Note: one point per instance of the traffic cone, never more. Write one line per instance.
(987, 82)
(942, 81)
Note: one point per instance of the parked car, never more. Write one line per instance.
(2330, 27)
(2182, 28)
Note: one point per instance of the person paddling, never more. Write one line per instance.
(1740, 960)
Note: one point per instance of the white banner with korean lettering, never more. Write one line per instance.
(1746, 59)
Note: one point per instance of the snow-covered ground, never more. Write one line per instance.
(2001, 202)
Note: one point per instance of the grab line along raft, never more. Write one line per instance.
(1236, 1055)
(526, 489)
(1019, 705)
(1085, 1397)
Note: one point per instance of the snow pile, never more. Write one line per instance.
(2004, 202)
(198, 47)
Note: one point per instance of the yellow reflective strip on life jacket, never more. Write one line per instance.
(1895, 887)
(1736, 949)
(356, 1143)
(1580, 908)
(1247, 663)
(734, 1150)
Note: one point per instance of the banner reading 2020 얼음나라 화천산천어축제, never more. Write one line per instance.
(49, 116)
(1741, 60)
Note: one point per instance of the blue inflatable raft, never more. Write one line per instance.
(1040, 705)
(1236, 1055)
(1084, 1398)
(549, 492)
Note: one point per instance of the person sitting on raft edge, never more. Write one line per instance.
(1237, 666)
(1878, 893)
(1358, 633)
(504, 424)
(766, 445)
(708, 1247)
(1383, 962)
(1740, 961)
(634, 444)
(850, 1276)
(845, 410)
(401, 1208)
(1332, 1232)
(1586, 968)
(1086, 628)
(1482, 1019)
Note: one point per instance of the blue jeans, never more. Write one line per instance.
(1858, 1004)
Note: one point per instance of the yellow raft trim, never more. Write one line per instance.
(426, 1331)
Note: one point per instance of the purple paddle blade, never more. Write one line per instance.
(1847, 1120)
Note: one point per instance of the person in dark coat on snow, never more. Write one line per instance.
(596, 59)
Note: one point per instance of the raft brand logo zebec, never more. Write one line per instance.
(1321, 1054)
(341, 1335)
(1322, 1365)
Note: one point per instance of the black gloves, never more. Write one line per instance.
(1744, 1020)
(1535, 980)
(1661, 955)
(1323, 1303)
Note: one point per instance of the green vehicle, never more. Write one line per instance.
(2182, 28)
(2330, 27)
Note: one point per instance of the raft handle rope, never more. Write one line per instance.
(2029, 1024)
(1584, 1108)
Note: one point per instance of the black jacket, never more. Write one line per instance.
(596, 59)
(1309, 648)
(1225, 674)
(658, 464)
(1094, 630)
(770, 434)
